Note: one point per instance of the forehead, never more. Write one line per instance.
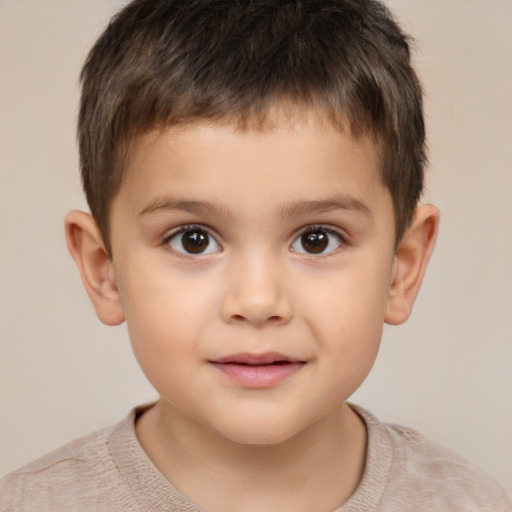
(291, 155)
(280, 118)
(274, 119)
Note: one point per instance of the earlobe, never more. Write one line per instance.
(86, 246)
(411, 259)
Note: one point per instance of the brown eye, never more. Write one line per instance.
(314, 242)
(317, 241)
(193, 241)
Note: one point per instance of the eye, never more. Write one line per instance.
(317, 240)
(193, 240)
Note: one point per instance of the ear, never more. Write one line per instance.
(411, 259)
(86, 246)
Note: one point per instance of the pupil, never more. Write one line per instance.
(195, 241)
(315, 241)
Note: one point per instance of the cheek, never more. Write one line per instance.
(346, 316)
(349, 300)
(350, 347)
(165, 314)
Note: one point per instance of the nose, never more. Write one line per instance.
(255, 293)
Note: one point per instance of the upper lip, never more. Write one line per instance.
(256, 359)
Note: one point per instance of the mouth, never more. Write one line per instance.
(257, 371)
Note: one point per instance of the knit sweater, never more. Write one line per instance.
(109, 471)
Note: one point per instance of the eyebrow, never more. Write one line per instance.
(291, 209)
(341, 202)
(168, 203)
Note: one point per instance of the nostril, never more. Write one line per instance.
(274, 319)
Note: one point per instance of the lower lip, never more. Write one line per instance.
(258, 376)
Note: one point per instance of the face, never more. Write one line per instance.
(254, 270)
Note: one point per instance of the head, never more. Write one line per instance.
(168, 63)
(253, 170)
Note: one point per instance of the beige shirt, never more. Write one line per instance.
(109, 471)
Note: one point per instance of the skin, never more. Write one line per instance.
(256, 289)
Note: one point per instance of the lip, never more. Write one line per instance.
(258, 371)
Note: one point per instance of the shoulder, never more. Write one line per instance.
(62, 478)
(438, 475)
(429, 475)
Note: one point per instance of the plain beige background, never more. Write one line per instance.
(448, 372)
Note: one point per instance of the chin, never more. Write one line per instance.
(258, 433)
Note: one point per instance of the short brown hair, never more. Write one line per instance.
(165, 62)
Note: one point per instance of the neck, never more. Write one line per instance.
(317, 469)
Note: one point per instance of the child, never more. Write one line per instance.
(253, 171)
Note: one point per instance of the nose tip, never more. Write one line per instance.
(257, 298)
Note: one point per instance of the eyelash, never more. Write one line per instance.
(311, 229)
